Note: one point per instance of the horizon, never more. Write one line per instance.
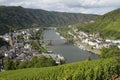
(98, 7)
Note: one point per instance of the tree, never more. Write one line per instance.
(89, 58)
(42, 61)
(8, 64)
(109, 52)
(37, 62)
(37, 45)
(20, 37)
(1, 56)
(23, 65)
(16, 64)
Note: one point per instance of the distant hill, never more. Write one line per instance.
(108, 25)
(102, 69)
(19, 17)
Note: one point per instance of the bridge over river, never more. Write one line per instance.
(70, 52)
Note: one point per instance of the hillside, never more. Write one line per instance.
(19, 17)
(101, 69)
(108, 25)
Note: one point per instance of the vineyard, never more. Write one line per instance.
(101, 69)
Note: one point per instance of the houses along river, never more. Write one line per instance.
(70, 52)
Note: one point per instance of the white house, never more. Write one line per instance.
(27, 46)
(6, 55)
(119, 46)
(92, 43)
(83, 34)
(116, 41)
(85, 41)
(6, 37)
(108, 40)
(37, 29)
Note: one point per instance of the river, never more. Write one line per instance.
(70, 52)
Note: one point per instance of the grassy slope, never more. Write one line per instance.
(100, 69)
(110, 20)
(108, 25)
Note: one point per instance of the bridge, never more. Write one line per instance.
(50, 41)
(50, 28)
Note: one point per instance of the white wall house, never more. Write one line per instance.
(37, 29)
(108, 40)
(119, 46)
(27, 46)
(6, 37)
(116, 41)
(92, 43)
(6, 55)
(83, 34)
(85, 41)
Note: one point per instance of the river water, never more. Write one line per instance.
(70, 52)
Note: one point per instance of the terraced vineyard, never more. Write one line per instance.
(101, 69)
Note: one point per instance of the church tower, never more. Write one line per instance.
(11, 39)
(11, 42)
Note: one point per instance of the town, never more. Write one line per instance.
(91, 42)
(24, 44)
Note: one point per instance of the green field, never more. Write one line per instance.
(101, 69)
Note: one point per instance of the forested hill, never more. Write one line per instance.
(108, 25)
(19, 17)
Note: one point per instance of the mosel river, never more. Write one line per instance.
(70, 52)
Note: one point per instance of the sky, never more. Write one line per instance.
(73, 6)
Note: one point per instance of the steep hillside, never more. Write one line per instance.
(102, 69)
(18, 17)
(108, 25)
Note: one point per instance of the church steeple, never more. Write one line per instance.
(11, 38)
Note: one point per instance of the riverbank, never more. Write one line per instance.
(82, 46)
(86, 47)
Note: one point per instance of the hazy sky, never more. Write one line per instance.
(77, 6)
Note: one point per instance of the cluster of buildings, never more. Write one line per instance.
(19, 47)
(94, 40)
